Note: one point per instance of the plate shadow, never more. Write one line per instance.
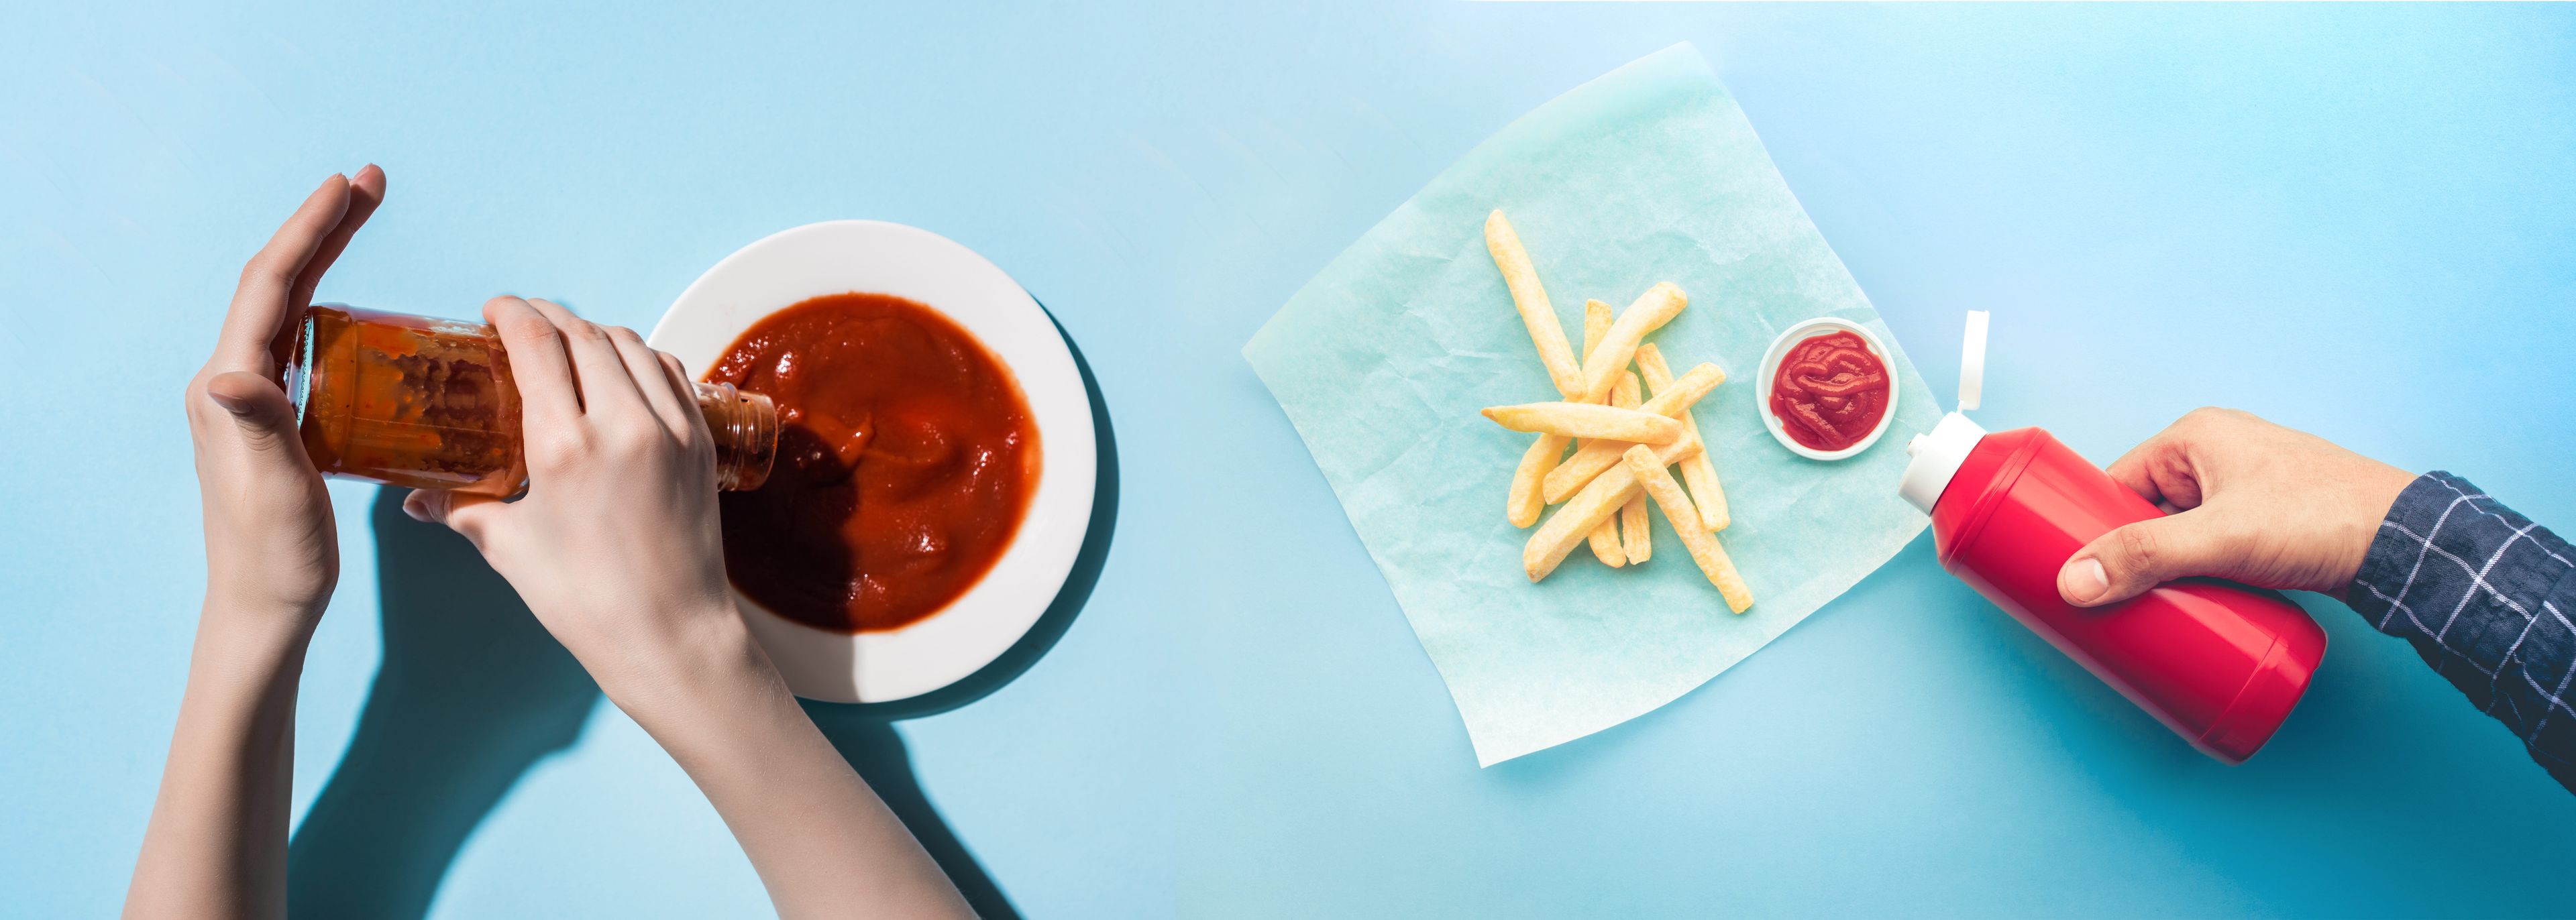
(864, 732)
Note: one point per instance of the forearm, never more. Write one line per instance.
(2487, 598)
(216, 845)
(823, 842)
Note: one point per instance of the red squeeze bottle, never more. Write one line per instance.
(2219, 663)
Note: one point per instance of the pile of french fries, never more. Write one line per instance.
(1626, 431)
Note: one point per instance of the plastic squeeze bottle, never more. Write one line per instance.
(2218, 662)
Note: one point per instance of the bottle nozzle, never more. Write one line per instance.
(1972, 362)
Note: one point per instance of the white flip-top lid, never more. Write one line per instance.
(1935, 456)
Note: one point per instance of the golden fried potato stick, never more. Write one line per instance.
(1646, 468)
(1549, 544)
(1605, 538)
(1634, 530)
(1596, 324)
(1697, 472)
(1545, 330)
(1596, 457)
(1617, 346)
(1523, 505)
(1587, 420)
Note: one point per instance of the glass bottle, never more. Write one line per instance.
(428, 403)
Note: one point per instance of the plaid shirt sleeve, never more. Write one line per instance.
(2484, 595)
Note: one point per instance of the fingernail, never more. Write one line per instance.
(229, 404)
(2085, 580)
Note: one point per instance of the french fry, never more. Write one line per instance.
(1599, 500)
(1604, 538)
(1594, 458)
(1545, 330)
(1589, 421)
(1697, 472)
(1596, 325)
(1618, 345)
(1645, 469)
(1524, 505)
(1637, 539)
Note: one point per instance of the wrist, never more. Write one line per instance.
(712, 664)
(253, 650)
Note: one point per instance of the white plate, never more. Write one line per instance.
(1801, 332)
(841, 256)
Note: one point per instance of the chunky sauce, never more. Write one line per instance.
(906, 460)
(1830, 391)
(409, 400)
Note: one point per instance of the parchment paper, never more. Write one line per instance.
(1648, 174)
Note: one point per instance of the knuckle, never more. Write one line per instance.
(557, 451)
(627, 438)
(2137, 549)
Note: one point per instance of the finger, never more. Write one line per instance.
(644, 366)
(541, 370)
(2131, 469)
(471, 516)
(606, 387)
(697, 420)
(2132, 558)
(366, 191)
(259, 307)
(262, 414)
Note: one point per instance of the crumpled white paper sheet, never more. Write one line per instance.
(1648, 174)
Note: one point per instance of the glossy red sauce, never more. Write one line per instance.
(1830, 391)
(906, 459)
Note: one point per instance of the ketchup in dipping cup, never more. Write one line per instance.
(1827, 392)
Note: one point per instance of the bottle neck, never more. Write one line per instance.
(1935, 457)
(744, 427)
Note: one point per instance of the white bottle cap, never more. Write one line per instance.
(1935, 457)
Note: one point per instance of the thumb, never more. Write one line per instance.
(469, 515)
(260, 411)
(2130, 559)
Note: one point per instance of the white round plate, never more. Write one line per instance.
(1771, 368)
(841, 256)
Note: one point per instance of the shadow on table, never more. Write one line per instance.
(473, 692)
(864, 735)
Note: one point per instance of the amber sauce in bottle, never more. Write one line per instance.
(428, 403)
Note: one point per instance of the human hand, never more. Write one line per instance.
(616, 546)
(2246, 500)
(271, 550)
(618, 551)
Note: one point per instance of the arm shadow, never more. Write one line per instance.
(865, 733)
(472, 693)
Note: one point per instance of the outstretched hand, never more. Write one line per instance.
(271, 548)
(2246, 500)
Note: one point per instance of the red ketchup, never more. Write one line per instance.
(1830, 391)
(2219, 663)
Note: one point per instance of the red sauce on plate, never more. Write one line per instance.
(906, 459)
(1830, 391)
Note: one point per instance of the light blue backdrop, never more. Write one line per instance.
(2355, 220)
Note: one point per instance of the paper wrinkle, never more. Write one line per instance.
(1382, 361)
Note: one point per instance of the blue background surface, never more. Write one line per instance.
(2354, 220)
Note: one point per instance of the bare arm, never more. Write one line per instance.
(616, 548)
(216, 845)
